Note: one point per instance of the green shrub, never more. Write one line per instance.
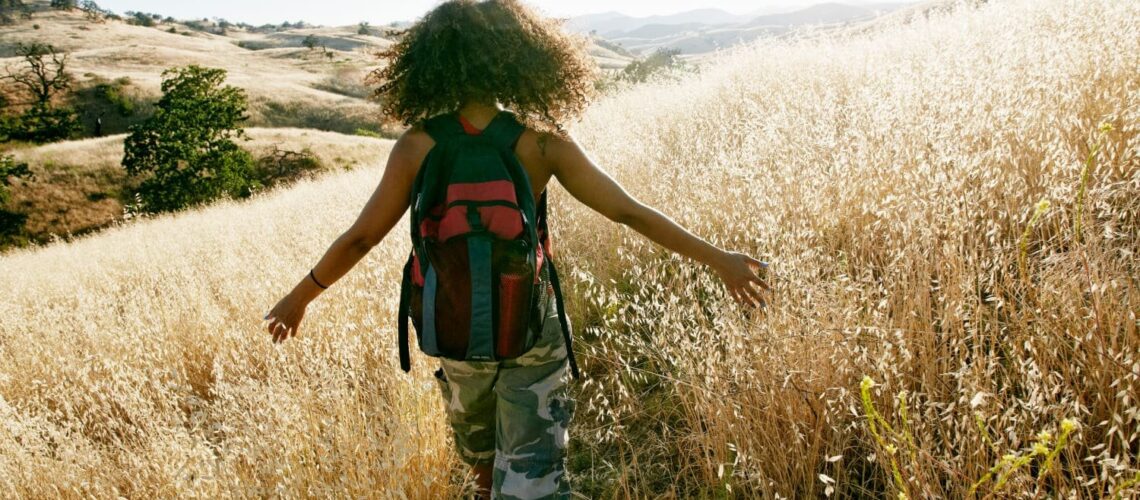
(660, 61)
(10, 171)
(283, 165)
(141, 19)
(41, 123)
(346, 83)
(185, 154)
(310, 42)
(42, 81)
(345, 118)
(9, 9)
(109, 106)
(113, 94)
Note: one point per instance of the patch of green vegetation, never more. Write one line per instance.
(185, 152)
(368, 133)
(109, 107)
(346, 119)
(657, 63)
(254, 44)
(282, 166)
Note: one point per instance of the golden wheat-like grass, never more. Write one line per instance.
(892, 179)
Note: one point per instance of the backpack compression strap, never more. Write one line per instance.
(554, 282)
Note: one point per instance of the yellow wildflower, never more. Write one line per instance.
(1068, 425)
(867, 383)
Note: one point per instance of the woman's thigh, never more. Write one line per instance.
(469, 399)
(533, 411)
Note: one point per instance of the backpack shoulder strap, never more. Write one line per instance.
(443, 127)
(540, 215)
(504, 130)
(563, 321)
(402, 316)
(567, 336)
(556, 284)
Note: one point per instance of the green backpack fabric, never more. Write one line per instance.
(478, 280)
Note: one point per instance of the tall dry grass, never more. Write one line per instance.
(892, 180)
(134, 363)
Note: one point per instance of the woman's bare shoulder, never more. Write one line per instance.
(545, 146)
(409, 151)
(415, 138)
(415, 142)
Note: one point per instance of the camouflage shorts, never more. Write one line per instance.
(514, 413)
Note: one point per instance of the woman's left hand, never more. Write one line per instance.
(739, 273)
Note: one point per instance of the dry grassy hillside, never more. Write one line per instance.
(922, 193)
(79, 186)
(288, 85)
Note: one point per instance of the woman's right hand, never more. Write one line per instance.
(285, 317)
(739, 273)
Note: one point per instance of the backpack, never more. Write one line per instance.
(478, 280)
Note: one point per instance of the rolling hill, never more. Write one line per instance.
(289, 87)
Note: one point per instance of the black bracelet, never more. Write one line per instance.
(317, 282)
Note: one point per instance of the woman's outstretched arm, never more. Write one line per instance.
(589, 184)
(382, 211)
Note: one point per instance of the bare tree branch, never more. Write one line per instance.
(43, 78)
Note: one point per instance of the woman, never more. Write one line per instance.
(509, 417)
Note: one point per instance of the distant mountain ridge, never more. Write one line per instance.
(704, 30)
(610, 23)
(824, 13)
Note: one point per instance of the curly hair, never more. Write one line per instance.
(494, 50)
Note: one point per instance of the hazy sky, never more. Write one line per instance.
(338, 12)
